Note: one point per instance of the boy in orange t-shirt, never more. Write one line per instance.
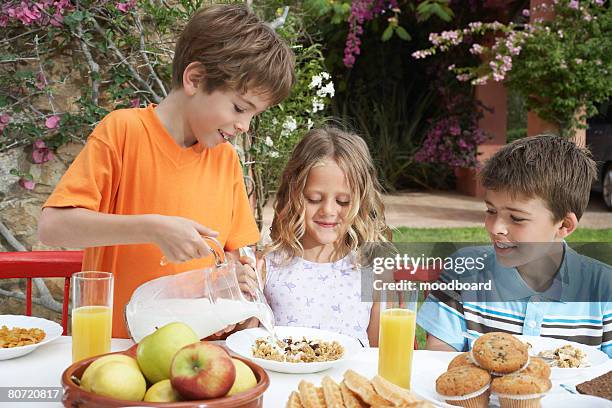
(151, 182)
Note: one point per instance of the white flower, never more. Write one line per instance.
(309, 124)
(290, 124)
(274, 154)
(315, 82)
(269, 141)
(327, 90)
(274, 121)
(325, 75)
(317, 105)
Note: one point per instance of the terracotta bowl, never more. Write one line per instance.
(75, 397)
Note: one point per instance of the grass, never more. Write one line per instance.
(477, 234)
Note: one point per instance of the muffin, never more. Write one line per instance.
(500, 353)
(461, 360)
(520, 390)
(465, 387)
(537, 367)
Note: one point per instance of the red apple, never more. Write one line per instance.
(202, 371)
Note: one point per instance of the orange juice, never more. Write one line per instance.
(91, 331)
(396, 344)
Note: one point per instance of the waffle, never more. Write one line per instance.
(391, 392)
(361, 386)
(355, 391)
(332, 393)
(350, 399)
(294, 401)
(311, 396)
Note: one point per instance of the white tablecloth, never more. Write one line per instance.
(44, 366)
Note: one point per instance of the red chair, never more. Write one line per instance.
(42, 264)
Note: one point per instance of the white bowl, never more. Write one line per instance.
(242, 342)
(52, 332)
(594, 356)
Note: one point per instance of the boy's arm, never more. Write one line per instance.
(180, 239)
(444, 323)
(435, 344)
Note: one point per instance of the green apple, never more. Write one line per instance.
(162, 392)
(93, 367)
(155, 351)
(245, 378)
(119, 380)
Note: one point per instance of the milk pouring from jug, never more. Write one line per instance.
(208, 300)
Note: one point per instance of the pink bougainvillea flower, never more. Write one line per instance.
(4, 120)
(52, 122)
(135, 103)
(40, 144)
(41, 153)
(125, 7)
(27, 184)
(41, 80)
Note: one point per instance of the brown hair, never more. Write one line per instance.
(365, 217)
(547, 166)
(235, 50)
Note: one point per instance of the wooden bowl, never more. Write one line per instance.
(75, 396)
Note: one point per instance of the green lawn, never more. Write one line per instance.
(476, 234)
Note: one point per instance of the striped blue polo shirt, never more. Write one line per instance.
(564, 311)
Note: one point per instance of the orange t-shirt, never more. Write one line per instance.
(132, 165)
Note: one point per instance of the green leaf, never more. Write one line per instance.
(386, 35)
(14, 172)
(402, 33)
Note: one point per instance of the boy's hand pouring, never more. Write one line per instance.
(180, 239)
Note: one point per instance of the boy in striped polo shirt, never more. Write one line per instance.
(537, 189)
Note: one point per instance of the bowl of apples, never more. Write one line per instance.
(169, 368)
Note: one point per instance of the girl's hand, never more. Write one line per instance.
(180, 239)
(247, 276)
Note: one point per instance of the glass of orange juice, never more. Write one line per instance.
(396, 336)
(92, 310)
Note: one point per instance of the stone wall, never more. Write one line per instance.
(19, 212)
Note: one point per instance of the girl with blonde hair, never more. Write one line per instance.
(327, 207)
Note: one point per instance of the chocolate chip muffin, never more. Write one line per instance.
(537, 367)
(461, 360)
(520, 390)
(500, 353)
(465, 386)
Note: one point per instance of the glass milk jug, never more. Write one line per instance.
(208, 300)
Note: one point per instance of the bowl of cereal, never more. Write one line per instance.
(566, 359)
(20, 335)
(297, 350)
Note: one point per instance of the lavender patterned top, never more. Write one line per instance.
(319, 295)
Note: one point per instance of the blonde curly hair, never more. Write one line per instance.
(365, 217)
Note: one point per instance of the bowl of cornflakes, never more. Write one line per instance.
(567, 359)
(297, 350)
(20, 335)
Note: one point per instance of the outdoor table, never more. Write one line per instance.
(45, 365)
